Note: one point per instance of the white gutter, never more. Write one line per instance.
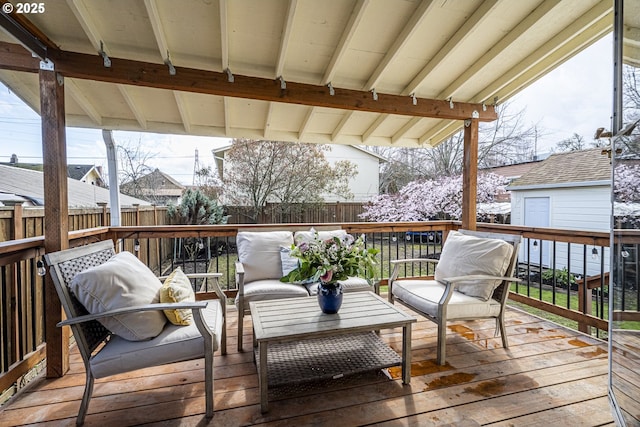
(602, 183)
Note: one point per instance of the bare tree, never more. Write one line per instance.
(134, 164)
(631, 103)
(208, 183)
(504, 141)
(574, 143)
(259, 172)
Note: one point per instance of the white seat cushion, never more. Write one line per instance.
(261, 290)
(173, 344)
(351, 284)
(424, 295)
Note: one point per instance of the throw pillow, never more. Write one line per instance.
(177, 288)
(464, 255)
(289, 263)
(122, 281)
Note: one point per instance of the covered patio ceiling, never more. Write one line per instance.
(295, 70)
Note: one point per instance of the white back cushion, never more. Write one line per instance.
(465, 255)
(259, 252)
(122, 281)
(307, 236)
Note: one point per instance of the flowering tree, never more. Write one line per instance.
(626, 183)
(627, 194)
(429, 199)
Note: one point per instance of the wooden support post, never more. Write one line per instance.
(56, 211)
(470, 174)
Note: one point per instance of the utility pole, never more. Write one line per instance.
(196, 169)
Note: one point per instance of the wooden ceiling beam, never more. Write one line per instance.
(454, 42)
(76, 93)
(595, 23)
(305, 123)
(286, 37)
(224, 35)
(137, 73)
(417, 16)
(511, 37)
(90, 29)
(345, 40)
(14, 57)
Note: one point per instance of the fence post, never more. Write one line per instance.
(103, 205)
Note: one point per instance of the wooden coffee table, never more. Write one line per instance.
(296, 342)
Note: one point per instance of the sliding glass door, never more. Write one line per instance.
(624, 295)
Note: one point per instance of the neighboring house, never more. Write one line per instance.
(157, 188)
(25, 186)
(500, 209)
(569, 190)
(364, 186)
(86, 173)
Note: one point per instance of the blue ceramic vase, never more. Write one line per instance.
(330, 297)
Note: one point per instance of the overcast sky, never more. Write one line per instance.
(575, 98)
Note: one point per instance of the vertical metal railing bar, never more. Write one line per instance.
(160, 255)
(585, 276)
(553, 272)
(540, 259)
(196, 252)
(218, 246)
(621, 275)
(528, 267)
(569, 275)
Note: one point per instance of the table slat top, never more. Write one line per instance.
(291, 318)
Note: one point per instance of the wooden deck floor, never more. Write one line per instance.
(549, 376)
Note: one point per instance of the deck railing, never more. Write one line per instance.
(565, 272)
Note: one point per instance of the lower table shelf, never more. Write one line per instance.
(325, 358)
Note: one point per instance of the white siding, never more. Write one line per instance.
(575, 208)
(365, 184)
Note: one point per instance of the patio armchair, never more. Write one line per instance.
(100, 292)
(263, 259)
(471, 281)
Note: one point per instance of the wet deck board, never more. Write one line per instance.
(548, 376)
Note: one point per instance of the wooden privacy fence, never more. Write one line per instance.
(19, 222)
(274, 213)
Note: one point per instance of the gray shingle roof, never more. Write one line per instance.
(78, 171)
(567, 168)
(29, 184)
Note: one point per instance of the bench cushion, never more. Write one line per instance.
(181, 342)
(351, 284)
(122, 281)
(424, 295)
(464, 255)
(307, 236)
(261, 290)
